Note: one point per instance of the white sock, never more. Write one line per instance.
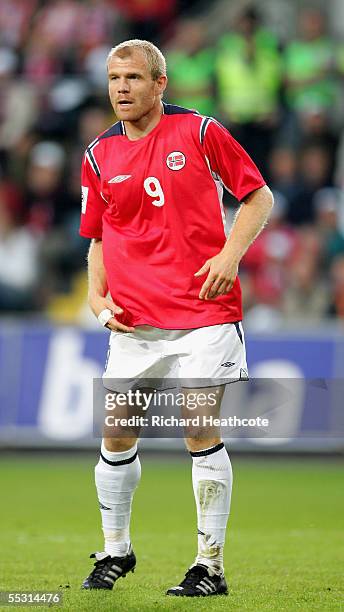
(117, 476)
(212, 484)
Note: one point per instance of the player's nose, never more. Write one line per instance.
(123, 86)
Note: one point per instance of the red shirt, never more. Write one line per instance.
(156, 203)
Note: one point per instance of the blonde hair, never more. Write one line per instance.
(155, 59)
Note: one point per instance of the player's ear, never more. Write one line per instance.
(161, 83)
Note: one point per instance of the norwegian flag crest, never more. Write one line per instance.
(175, 160)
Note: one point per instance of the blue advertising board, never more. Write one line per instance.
(46, 378)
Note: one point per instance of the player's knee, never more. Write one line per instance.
(118, 445)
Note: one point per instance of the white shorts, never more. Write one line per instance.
(215, 354)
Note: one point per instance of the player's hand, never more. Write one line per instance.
(99, 303)
(222, 273)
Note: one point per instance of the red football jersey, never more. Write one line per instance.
(156, 202)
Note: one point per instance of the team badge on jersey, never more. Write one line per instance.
(175, 160)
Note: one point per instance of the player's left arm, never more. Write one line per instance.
(249, 221)
(229, 162)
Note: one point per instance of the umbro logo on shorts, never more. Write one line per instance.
(120, 178)
(228, 364)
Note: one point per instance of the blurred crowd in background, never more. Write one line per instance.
(281, 97)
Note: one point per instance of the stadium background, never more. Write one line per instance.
(273, 72)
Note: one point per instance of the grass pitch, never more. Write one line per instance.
(284, 547)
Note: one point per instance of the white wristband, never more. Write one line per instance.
(105, 316)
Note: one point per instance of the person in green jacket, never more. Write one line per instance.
(312, 64)
(191, 68)
(248, 77)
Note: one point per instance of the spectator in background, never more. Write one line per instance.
(51, 207)
(45, 199)
(59, 22)
(248, 73)
(64, 102)
(147, 19)
(53, 39)
(311, 65)
(314, 166)
(307, 293)
(19, 255)
(93, 69)
(282, 170)
(15, 18)
(191, 65)
(316, 129)
(327, 204)
(18, 105)
(98, 25)
(41, 63)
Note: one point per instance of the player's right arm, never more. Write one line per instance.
(97, 288)
(93, 208)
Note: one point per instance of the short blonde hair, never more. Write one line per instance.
(155, 59)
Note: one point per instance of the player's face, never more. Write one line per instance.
(133, 93)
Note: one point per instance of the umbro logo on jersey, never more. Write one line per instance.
(175, 160)
(120, 178)
(228, 364)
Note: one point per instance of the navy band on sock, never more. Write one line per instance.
(207, 451)
(123, 462)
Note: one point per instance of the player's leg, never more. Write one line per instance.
(212, 485)
(135, 356)
(211, 467)
(131, 357)
(118, 470)
(117, 475)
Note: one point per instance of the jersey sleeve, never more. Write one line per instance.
(92, 204)
(229, 161)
